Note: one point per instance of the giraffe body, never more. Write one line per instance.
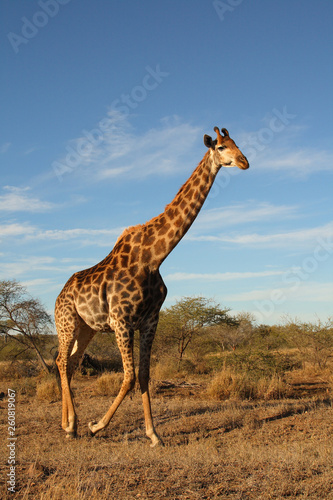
(125, 291)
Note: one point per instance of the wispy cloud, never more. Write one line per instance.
(4, 147)
(82, 236)
(299, 162)
(45, 264)
(100, 237)
(306, 291)
(295, 238)
(122, 150)
(242, 213)
(221, 276)
(18, 200)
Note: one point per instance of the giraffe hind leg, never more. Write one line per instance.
(69, 356)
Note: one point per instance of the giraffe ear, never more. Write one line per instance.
(225, 132)
(208, 141)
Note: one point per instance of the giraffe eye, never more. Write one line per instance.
(221, 148)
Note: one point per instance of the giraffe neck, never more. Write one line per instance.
(167, 229)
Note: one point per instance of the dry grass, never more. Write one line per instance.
(213, 450)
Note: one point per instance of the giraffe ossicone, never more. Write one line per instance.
(125, 291)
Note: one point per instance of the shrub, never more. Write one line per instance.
(164, 369)
(48, 390)
(272, 388)
(25, 386)
(230, 385)
(13, 370)
(109, 384)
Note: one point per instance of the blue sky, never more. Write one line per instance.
(104, 106)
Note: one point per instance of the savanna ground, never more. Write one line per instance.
(231, 449)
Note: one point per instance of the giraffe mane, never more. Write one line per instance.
(126, 231)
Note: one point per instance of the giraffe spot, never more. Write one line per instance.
(170, 213)
(137, 237)
(122, 278)
(133, 270)
(146, 255)
(160, 247)
(114, 300)
(124, 260)
(126, 248)
(178, 222)
(171, 234)
(164, 229)
(136, 297)
(131, 286)
(189, 194)
(124, 295)
(109, 274)
(118, 287)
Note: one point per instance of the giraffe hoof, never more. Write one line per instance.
(71, 435)
(92, 429)
(156, 443)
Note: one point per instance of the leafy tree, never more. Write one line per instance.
(313, 340)
(233, 333)
(268, 337)
(188, 318)
(23, 318)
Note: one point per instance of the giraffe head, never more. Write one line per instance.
(225, 151)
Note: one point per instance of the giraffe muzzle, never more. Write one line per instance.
(243, 164)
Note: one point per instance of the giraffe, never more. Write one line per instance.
(125, 291)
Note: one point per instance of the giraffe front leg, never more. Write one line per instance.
(124, 336)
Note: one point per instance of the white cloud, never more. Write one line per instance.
(16, 229)
(17, 200)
